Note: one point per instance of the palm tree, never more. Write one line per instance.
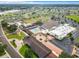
(70, 36)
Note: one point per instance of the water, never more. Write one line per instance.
(35, 30)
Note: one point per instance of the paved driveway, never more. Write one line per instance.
(64, 44)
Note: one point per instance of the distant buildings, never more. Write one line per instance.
(9, 11)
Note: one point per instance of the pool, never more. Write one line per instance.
(35, 30)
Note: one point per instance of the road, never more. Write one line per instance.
(10, 49)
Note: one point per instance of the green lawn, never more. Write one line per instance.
(73, 17)
(16, 36)
(13, 43)
(27, 52)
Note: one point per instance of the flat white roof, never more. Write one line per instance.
(61, 31)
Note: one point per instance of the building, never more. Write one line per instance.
(56, 29)
(50, 24)
(9, 11)
(45, 40)
(44, 36)
(40, 43)
(61, 31)
(41, 50)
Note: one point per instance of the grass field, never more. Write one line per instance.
(13, 43)
(16, 36)
(73, 17)
(27, 52)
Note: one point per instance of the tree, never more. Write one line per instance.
(13, 43)
(12, 28)
(33, 13)
(64, 55)
(2, 50)
(4, 23)
(71, 38)
(39, 23)
(53, 17)
(62, 22)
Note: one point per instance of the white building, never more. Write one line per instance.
(61, 31)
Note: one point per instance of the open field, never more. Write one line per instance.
(73, 17)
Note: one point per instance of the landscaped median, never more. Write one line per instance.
(27, 52)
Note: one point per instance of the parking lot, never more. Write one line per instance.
(64, 44)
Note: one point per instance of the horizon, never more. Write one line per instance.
(39, 2)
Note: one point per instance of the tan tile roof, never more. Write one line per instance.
(56, 50)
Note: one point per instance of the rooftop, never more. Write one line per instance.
(37, 47)
(44, 39)
(50, 24)
(61, 31)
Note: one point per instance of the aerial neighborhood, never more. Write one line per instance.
(39, 32)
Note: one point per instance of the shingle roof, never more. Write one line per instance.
(37, 46)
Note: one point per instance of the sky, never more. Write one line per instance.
(39, 2)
